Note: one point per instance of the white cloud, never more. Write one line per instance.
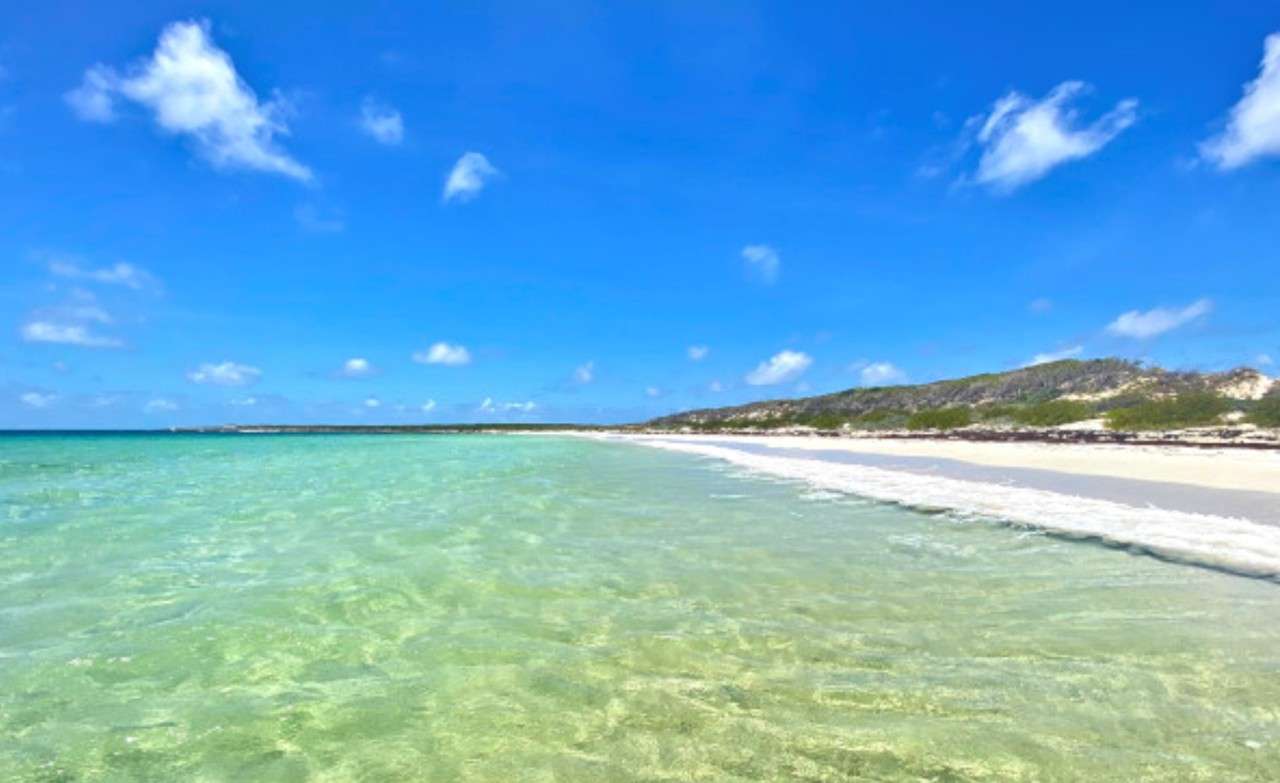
(119, 273)
(1055, 356)
(225, 374)
(586, 373)
(1142, 325)
(1263, 360)
(37, 400)
(698, 352)
(1022, 139)
(779, 368)
(1041, 305)
(372, 402)
(652, 391)
(382, 122)
(193, 89)
(427, 406)
(881, 374)
(489, 406)
(356, 367)
(763, 262)
(1253, 127)
(716, 386)
(245, 402)
(468, 177)
(160, 405)
(66, 334)
(444, 353)
(92, 100)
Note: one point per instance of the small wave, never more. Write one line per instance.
(1226, 543)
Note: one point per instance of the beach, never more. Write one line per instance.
(1215, 507)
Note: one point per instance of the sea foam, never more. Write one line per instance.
(1227, 543)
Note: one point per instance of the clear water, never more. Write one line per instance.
(505, 608)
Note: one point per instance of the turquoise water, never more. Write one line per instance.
(501, 608)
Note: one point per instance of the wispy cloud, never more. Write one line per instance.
(1055, 356)
(356, 367)
(225, 374)
(698, 352)
(37, 399)
(1022, 139)
(427, 406)
(382, 122)
(41, 331)
(779, 368)
(652, 392)
(444, 353)
(119, 273)
(193, 90)
(1253, 126)
(763, 263)
(1263, 360)
(1040, 306)
(489, 406)
(468, 177)
(881, 374)
(585, 373)
(1151, 323)
(160, 405)
(372, 402)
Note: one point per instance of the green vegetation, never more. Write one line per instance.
(1265, 412)
(1131, 396)
(1185, 410)
(940, 419)
(994, 412)
(1052, 414)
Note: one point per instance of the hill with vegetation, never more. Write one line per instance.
(1120, 394)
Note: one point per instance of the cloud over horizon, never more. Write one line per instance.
(1152, 323)
(881, 374)
(1055, 356)
(227, 373)
(779, 368)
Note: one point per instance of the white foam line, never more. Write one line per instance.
(1227, 543)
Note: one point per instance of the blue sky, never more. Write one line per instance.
(487, 211)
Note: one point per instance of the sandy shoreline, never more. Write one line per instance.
(1209, 507)
(1225, 468)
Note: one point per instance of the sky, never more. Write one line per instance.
(282, 212)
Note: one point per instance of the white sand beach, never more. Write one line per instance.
(1212, 507)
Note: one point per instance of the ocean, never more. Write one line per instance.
(503, 607)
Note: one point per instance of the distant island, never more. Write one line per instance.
(1098, 400)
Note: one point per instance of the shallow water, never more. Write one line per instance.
(517, 608)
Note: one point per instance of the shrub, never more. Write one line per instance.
(827, 421)
(992, 411)
(1265, 412)
(1053, 413)
(879, 419)
(1185, 410)
(939, 419)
